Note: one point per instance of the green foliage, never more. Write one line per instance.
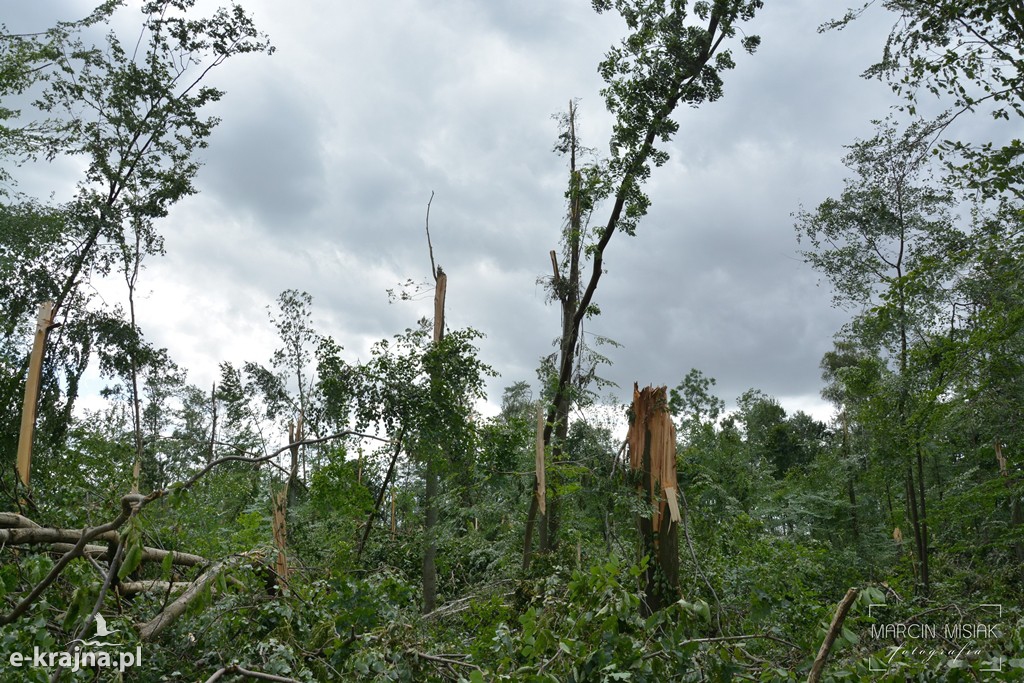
(130, 113)
(967, 55)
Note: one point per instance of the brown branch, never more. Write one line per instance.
(259, 675)
(130, 504)
(170, 614)
(430, 247)
(831, 635)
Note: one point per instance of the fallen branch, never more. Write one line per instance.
(61, 540)
(831, 635)
(727, 639)
(133, 587)
(115, 564)
(235, 669)
(12, 520)
(129, 504)
(442, 660)
(170, 614)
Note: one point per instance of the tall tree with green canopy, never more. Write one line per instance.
(889, 246)
(668, 58)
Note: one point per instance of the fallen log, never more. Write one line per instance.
(170, 614)
(12, 520)
(61, 540)
(133, 587)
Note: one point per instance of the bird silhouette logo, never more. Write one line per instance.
(101, 632)
(101, 627)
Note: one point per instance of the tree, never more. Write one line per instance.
(130, 109)
(890, 247)
(968, 52)
(419, 393)
(663, 62)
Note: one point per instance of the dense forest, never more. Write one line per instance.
(314, 518)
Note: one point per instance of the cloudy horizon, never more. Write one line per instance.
(319, 175)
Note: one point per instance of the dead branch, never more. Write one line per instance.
(430, 247)
(170, 614)
(133, 587)
(728, 639)
(237, 670)
(130, 504)
(830, 637)
(442, 660)
(61, 540)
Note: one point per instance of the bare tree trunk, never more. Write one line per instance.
(923, 516)
(430, 542)
(830, 636)
(430, 493)
(915, 526)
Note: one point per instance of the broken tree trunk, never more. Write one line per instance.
(433, 476)
(28, 409)
(432, 465)
(295, 437)
(652, 457)
(62, 540)
(541, 490)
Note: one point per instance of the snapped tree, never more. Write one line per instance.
(131, 110)
(664, 61)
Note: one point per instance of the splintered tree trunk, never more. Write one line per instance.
(652, 454)
(295, 436)
(430, 495)
(28, 411)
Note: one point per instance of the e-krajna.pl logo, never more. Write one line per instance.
(78, 657)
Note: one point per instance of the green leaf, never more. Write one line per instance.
(167, 566)
(132, 559)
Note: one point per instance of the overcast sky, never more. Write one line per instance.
(319, 175)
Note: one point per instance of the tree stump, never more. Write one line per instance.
(652, 459)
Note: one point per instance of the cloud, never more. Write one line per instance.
(319, 176)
